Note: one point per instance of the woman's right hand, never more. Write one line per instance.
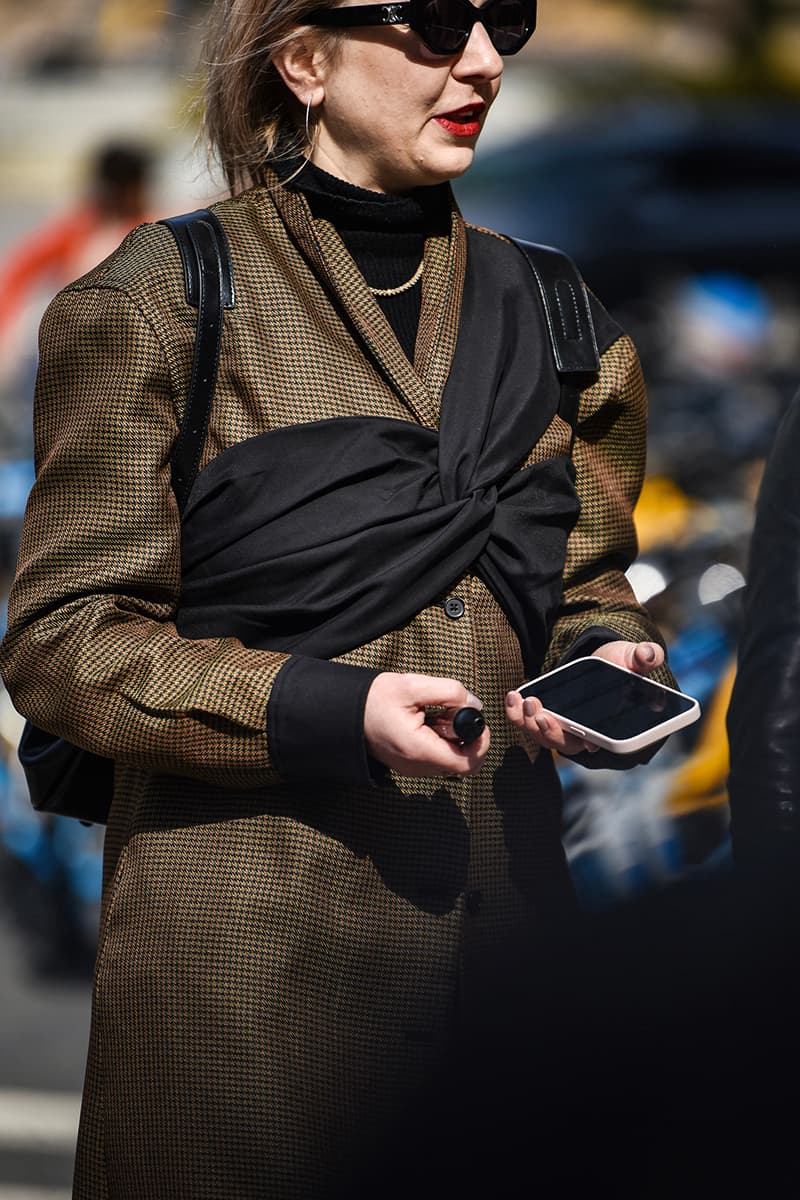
(396, 733)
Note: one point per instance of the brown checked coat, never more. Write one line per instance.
(277, 964)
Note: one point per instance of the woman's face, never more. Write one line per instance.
(395, 116)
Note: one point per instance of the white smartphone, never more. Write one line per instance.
(611, 706)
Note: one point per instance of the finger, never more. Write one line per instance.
(442, 725)
(528, 714)
(437, 756)
(514, 709)
(523, 711)
(548, 733)
(431, 691)
(552, 734)
(474, 753)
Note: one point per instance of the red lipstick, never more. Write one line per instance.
(462, 122)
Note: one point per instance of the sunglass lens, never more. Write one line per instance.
(445, 25)
(509, 24)
(442, 25)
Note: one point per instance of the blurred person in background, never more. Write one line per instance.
(304, 878)
(764, 715)
(54, 865)
(116, 198)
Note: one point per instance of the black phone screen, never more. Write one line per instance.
(598, 696)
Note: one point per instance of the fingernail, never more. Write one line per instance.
(648, 654)
(528, 707)
(474, 702)
(543, 724)
(511, 697)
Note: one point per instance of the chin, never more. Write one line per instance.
(441, 167)
(464, 161)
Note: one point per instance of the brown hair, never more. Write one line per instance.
(250, 117)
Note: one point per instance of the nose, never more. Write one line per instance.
(478, 59)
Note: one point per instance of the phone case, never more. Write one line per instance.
(621, 745)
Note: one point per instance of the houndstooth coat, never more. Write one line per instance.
(279, 964)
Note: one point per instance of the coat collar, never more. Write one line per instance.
(419, 386)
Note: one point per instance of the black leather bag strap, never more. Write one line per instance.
(63, 779)
(569, 323)
(208, 275)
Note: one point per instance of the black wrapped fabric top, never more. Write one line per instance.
(320, 537)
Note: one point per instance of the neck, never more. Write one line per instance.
(384, 233)
(363, 182)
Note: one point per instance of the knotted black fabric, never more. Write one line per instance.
(320, 537)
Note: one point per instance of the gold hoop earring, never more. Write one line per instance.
(308, 115)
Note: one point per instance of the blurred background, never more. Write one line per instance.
(657, 141)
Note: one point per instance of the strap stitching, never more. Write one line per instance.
(586, 336)
(575, 308)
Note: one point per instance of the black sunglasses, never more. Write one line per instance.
(443, 25)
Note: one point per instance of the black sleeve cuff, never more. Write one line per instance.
(607, 760)
(315, 722)
(589, 641)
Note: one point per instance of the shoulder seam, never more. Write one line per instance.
(93, 278)
(622, 336)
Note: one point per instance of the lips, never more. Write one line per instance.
(462, 122)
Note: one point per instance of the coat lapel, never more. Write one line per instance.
(419, 386)
(440, 317)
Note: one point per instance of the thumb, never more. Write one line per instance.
(646, 656)
(641, 657)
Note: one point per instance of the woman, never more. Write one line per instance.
(301, 874)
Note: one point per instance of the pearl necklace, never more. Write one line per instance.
(403, 287)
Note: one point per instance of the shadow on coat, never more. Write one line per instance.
(528, 795)
(418, 844)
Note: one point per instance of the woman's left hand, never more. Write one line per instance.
(544, 731)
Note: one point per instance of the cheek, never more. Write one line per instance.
(359, 96)
(353, 86)
(400, 114)
(414, 108)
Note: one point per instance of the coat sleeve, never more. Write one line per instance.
(764, 714)
(598, 603)
(609, 455)
(92, 653)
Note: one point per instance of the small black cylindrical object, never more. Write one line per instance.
(468, 724)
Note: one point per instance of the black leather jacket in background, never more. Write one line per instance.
(764, 715)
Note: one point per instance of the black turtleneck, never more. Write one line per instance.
(384, 233)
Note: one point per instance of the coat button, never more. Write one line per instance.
(454, 607)
(474, 900)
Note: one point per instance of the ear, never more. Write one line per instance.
(300, 66)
